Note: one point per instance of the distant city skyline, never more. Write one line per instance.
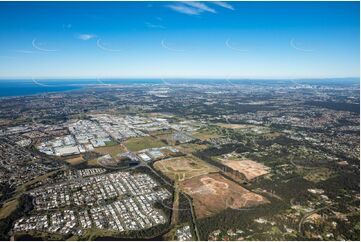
(260, 40)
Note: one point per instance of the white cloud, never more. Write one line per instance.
(191, 8)
(224, 5)
(180, 8)
(86, 36)
(201, 7)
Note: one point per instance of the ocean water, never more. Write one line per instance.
(26, 87)
(30, 87)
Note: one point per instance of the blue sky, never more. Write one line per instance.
(179, 39)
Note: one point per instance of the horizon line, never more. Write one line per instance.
(182, 78)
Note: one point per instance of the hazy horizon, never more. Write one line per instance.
(175, 78)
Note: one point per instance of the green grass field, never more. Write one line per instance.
(140, 143)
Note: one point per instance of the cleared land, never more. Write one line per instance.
(235, 126)
(8, 208)
(75, 161)
(213, 193)
(141, 143)
(189, 148)
(249, 168)
(182, 168)
(111, 150)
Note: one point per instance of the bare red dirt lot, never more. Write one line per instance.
(213, 193)
(249, 168)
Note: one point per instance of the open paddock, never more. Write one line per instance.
(113, 150)
(141, 143)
